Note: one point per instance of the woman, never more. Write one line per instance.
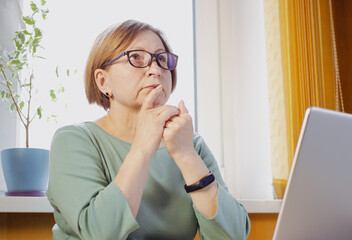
(134, 173)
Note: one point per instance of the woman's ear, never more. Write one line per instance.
(100, 76)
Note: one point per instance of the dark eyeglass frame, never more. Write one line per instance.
(152, 55)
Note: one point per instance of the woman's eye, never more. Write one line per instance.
(162, 58)
(136, 57)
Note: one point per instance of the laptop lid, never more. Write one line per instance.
(317, 203)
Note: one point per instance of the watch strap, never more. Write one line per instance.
(202, 183)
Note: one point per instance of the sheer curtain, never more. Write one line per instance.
(10, 21)
(232, 93)
(304, 50)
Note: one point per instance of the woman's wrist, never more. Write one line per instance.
(141, 151)
(192, 167)
(184, 156)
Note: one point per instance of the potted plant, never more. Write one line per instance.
(26, 170)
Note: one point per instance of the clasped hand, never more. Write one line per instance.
(170, 123)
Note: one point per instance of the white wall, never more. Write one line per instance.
(10, 15)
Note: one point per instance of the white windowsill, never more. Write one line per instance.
(42, 205)
(261, 205)
(24, 204)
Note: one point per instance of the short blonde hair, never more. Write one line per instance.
(111, 42)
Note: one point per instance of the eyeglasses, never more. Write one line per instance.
(142, 59)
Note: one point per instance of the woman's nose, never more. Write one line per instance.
(154, 68)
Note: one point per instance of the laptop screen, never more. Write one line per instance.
(318, 199)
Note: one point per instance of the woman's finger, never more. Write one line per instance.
(151, 97)
(182, 107)
(167, 112)
(167, 124)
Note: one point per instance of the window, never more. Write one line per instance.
(70, 31)
(231, 88)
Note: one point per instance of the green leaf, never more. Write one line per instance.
(21, 105)
(68, 72)
(18, 44)
(44, 13)
(29, 41)
(34, 49)
(75, 71)
(28, 20)
(20, 66)
(52, 95)
(3, 94)
(20, 35)
(12, 107)
(17, 54)
(43, 2)
(40, 57)
(37, 33)
(57, 71)
(35, 42)
(26, 32)
(34, 7)
(15, 62)
(39, 112)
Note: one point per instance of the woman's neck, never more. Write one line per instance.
(120, 122)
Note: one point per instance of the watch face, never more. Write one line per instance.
(201, 183)
(206, 181)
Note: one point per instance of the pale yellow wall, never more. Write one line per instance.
(278, 133)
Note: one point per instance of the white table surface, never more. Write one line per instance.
(42, 205)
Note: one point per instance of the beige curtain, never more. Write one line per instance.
(302, 72)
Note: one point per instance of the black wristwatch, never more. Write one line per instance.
(205, 181)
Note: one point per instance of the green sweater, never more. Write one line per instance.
(84, 159)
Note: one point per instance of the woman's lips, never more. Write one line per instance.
(152, 86)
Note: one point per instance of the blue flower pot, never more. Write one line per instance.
(25, 169)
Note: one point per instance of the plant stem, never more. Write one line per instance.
(13, 99)
(29, 108)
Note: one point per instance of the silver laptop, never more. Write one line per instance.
(317, 203)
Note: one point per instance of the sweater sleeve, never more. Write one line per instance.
(89, 207)
(231, 220)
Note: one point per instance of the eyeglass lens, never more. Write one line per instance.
(143, 59)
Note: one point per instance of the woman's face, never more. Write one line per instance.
(130, 85)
